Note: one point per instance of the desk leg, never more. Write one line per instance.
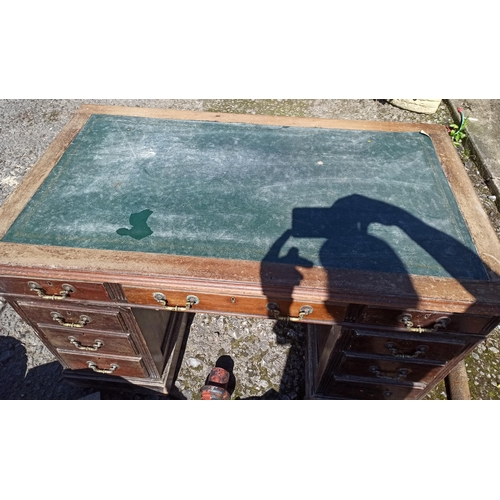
(457, 383)
(180, 347)
(319, 344)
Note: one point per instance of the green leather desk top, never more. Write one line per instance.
(310, 196)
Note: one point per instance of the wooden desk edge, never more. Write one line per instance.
(243, 278)
(289, 121)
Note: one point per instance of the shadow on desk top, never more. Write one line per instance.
(352, 231)
(347, 241)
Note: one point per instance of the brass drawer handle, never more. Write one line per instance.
(399, 374)
(112, 368)
(303, 312)
(421, 349)
(66, 290)
(97, 345)
(406, 319)
(191, 300)
(60, 319)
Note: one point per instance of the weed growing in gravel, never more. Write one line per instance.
(456, 132)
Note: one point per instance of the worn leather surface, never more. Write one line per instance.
(349, 199)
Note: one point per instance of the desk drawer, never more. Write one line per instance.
(399, 318)
(108, 365)
(406, 346)
(388, 370)
(352, 388)
(88, 341)
(47, 288)
(67, 314)
(233, 304)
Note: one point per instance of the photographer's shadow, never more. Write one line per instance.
(354, 249)
(40, 382)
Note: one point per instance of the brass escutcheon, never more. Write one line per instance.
(421, 349)
(191, 300)
(60, 319)
(275, 310)
(66, 290)
(399, 374)
(97, 345)
(406, 319)
(113, 367)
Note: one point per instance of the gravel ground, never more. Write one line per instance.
(268, 357)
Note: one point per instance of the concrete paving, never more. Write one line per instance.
(483, 135)
(28, 126)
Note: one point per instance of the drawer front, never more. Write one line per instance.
(234, 304)
(359, 389)
(406, 347)
(88, 341)
(47, 289)
(66, 315)
(384, 370)
(117, 367)
(424, 319)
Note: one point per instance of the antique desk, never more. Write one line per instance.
(370, 233)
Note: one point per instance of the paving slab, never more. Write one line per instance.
(483, 135)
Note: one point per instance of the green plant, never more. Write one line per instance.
(457, 133)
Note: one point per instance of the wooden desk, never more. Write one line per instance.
(368, 232)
